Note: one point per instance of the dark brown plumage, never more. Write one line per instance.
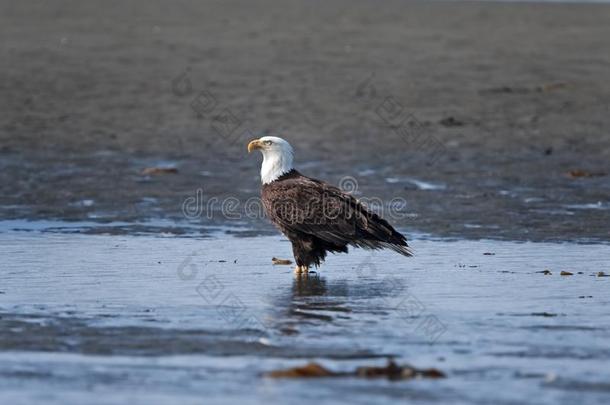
(318, 218)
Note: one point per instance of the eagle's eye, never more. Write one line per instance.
(267, 143)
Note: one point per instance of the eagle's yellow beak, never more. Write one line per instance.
(255, 144)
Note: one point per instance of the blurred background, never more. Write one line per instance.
(500, 109)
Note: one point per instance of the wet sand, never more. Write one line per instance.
(119, 285)
(514, 94)
(105, 318)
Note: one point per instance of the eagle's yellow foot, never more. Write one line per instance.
(301, 270)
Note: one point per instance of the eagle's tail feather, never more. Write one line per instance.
(404, 250)
(379, 234)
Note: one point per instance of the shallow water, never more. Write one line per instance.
(109, 318)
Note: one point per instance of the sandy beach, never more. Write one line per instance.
(491, 103)
(136, 262)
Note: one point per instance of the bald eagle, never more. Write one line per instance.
(315, 216)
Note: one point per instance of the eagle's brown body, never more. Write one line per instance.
(318, 218)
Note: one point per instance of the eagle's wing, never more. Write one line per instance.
(309, 206)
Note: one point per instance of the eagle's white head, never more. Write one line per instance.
(277, 157)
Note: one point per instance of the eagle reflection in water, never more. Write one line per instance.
(308, 285)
